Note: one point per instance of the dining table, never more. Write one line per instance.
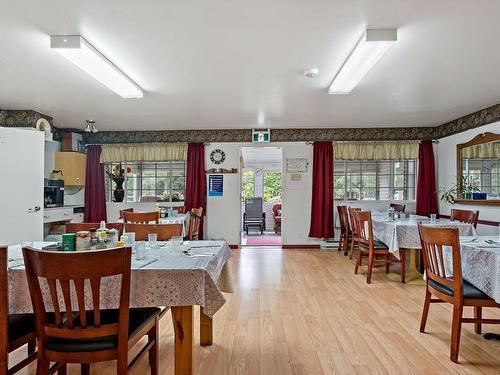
(179, 276)
(401, 235)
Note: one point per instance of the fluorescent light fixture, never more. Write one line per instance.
(369, 49)
(81, 53)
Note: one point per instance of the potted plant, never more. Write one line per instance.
(117, 175)
(468, 186)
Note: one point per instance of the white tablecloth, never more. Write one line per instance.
(481, 264)
(403, 233)
(168, 277)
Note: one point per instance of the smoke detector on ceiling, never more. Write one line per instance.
(311, 73)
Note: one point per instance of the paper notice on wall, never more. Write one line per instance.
(295, 178)
(296, 165)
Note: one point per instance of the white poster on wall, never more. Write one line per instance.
(296, 165)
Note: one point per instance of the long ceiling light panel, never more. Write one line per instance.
(369, 49)
(81, 53)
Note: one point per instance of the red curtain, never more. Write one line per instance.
(426, 184)
(95, 193)
(194, 196)
(322, 191)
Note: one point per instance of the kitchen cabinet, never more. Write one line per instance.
(73, 166)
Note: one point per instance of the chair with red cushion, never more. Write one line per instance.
(277, 217)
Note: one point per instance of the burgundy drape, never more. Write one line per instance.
(426, 184)
(322, 191)
(95, 192)
(194, 196)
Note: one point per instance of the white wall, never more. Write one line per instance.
(223, 213)
(447, 174)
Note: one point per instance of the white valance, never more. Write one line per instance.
(143, 152)
(376, 151)
(484, 151)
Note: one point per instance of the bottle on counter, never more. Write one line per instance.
(82, 240)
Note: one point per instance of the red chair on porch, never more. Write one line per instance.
(277, 217)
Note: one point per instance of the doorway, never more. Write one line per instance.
(261, 190)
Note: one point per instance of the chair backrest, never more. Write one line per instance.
(352, 219)
(276, 207)
(4, 306)
(125, 210)
(432, 240)
(398, 207)
(77, 269)
(253, 208)
(77, 227)
(195, 219)
(465, 216)
(141, 217)
(343, 218)
(364, 227)
(164, 232)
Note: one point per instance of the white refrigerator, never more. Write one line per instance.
(21, 185)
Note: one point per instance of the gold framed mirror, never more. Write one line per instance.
(478, 170)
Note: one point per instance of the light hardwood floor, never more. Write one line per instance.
(305, 312)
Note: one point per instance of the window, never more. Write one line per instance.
(374, 179)
(486, 172)
(152, 181)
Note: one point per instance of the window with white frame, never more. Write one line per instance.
(151, 181)
(374, 179)
(486, 172)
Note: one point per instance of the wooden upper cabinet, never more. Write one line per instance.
(73, 166)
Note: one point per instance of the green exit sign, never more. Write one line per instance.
(261, 136)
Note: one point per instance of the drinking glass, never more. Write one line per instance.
(130, 239)
(140, 250)
(152, 240)
(176, 241)
(433, 218)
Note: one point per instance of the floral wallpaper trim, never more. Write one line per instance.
(21, 118)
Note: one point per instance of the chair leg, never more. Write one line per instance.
(121, 365)
(478, 314)
(31, 346)
(346, 244)
(352, 249)
(42, 367)
(154, 334)
(370, 268)
(387, 262)
(456, 328)
(341, 241)
(63, 370)
(358, 261)
(425, 311)
(85, 368)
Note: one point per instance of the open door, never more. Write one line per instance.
(21, 187)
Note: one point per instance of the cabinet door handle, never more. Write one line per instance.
(34, 209)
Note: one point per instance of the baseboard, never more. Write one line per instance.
(307, 246)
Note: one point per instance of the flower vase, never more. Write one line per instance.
(119, 193)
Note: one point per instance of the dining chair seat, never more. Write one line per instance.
(20, 325)
(377, 245)
(470, 291)
(138, 318)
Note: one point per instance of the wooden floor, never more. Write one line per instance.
(305, 312)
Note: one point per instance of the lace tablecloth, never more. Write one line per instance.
(167, 277)
(403, 233)
(481, 264)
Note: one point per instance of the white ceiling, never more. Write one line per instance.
(238, 63)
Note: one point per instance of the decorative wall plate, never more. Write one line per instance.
(217, 156)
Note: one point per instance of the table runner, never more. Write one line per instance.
(168, 277)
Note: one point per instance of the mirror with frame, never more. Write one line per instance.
(478, 170)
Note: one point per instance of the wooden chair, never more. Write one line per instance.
(276, 210)
(164, 232)
(195, 219)
(77, 227)
(450, 288)
(76, 335)
(398, 207)
(465, 216)
(141, 217)
(180, 210)
(345, 230)
(368, 245)
(16, 330)
(354, 230)
(125, 210)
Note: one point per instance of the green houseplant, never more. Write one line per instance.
(468, 185)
